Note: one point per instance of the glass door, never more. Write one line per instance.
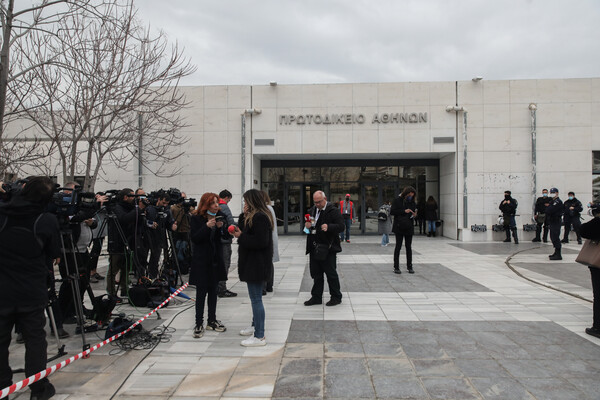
(373, 196)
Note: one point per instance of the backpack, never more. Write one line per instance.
(383, 214)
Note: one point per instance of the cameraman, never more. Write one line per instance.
(181, 215)
(159, 220)
(29, 237)
(75, 264)
(130, 219)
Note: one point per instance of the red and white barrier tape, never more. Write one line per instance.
(48, 371)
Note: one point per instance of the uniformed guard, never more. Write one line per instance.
(540, 217)
(573, 209)
(554, 212)
(508, 206)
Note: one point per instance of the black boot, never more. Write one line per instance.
(507, 240)
(514, 233)
(556, 255)
(410, 269)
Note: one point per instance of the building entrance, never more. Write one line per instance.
(290, 186)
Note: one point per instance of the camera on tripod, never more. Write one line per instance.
(67, 202)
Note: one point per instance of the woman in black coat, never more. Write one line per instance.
(207, 268)
(431, 215)
(591, 230)
(255, 259)
(404, 211)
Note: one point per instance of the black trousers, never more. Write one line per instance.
(408, 239)
(576, 222)
(202, 292)
(538, 231)
(329, 268)
(555, 235)
(30, 321)
(596, 293)
(153, 261)
(95, 253)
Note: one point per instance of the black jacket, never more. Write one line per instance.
(403, 223)
(335, 225)
(255, 249)
(508, 209)
(132, 222)
(591, 229)
(207, 267)
(554, 211)
(575, 213)
(158, 236)
(541, 203)
(431, 212)
(29, 239)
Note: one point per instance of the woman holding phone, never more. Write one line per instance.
(255, 259)
(207, 268)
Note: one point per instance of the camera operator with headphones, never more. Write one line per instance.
(29, 238)
(129, 220)
(80, 225)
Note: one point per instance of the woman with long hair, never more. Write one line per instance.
(404, 211)
(431, 215)
(207, 267)
(255, 259)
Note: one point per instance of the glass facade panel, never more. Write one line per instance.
(291, 189)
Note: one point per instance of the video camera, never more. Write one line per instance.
(65, 204)
(10, 189)
(175, 198)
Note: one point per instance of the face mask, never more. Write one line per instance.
(555, 195)
(409, 198)
(570, 197)
(506, 197)
(211, 213)
(545, 194)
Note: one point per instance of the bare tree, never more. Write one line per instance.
(112, 83)
(18, 25)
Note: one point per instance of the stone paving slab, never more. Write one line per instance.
(574, 273)
(509, 248)
(502, 365)
(371, 277)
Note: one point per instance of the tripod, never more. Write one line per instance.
(171, 254)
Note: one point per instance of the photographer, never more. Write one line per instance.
(159, 220)
(29, 237)
(127, 221)
(181, 215)
(75, 264)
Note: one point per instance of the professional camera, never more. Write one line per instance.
(112, 199)
(68, 204)
(594, 209)
(10, 189)
(189, 202)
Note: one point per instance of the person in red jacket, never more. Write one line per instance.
(347, 210)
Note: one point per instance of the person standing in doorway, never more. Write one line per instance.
(573, 209)
(508, 207)
(384, 223)
(404, 212)
(554, 212)
(324, 233)
(347, 210)
(540, 216)
(431, 215)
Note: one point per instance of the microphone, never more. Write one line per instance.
(231, 229)
(307, 217)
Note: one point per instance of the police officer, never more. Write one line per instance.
(573, 209)
(540, 216)
(554, 212)
(508, 206)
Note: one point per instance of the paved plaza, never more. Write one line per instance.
(476, 321)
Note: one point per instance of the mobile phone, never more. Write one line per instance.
(219, 218)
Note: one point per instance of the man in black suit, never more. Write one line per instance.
(325, 226)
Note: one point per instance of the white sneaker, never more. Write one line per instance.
(253, 342)
(247, 331)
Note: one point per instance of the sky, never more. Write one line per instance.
(235, 42)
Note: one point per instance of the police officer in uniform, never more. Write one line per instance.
(573, 209)
(508, 206)
(554, 212)
(540, 216)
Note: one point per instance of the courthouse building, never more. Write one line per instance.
(464, 143)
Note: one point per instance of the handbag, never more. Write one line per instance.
(590, 254)
(320, 251)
